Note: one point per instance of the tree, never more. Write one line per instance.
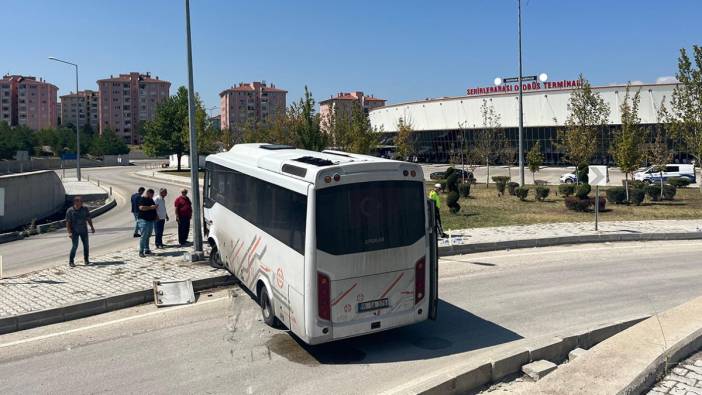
(685, 117)
(403, 140)
(507, 153)
(168, 133)
(627, 144)
(485, 138)
(304, 124)
(535, 159)
(14, 139)
(108, 143)
(350, 130)
(659, 154)
(587, 113)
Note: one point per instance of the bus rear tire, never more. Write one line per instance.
(267, 310)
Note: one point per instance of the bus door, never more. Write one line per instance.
(433, 238)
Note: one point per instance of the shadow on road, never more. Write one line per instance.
(455, 331)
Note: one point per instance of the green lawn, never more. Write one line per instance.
(484, 208)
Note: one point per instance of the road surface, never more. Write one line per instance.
(489, 301)
(113, 230)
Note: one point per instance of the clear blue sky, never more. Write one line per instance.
(398, 50)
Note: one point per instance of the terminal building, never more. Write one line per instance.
(444, 125)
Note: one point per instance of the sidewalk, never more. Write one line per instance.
(539, 235)
(156, 174)
(115, 280)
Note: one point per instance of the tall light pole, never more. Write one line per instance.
(521, 112)
(197, 253)
(77, 132)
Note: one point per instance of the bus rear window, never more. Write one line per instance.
(369, 216)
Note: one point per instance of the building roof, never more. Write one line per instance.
(249, 87)
(373, 99)
(128, 77)
(351, 96)
(87, 92)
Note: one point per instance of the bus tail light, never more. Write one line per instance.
(323, 296)
(420, 275)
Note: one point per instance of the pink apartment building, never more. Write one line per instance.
(28, 102)
(80, 109)
(252, 102)
(343, 103)
(128, 100)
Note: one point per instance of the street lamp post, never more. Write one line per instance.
(77, 132)
(197, 253)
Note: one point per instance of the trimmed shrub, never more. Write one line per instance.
(522, 193)
(637, 196)
(581, 172)
(542, 193)
(464, 189)
(452, 187)
(512, 187)
(603, 202)
(669, 191)
(654, 192)
(583, 190)
(576, 204)
(502, 179)
(500, 188)
(616, 195)
(566, 189)
(637, 184)
(679, 182)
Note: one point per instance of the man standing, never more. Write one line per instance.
(77, 221)
(147, 217)
(135, 210)
(162, 216)
(184, 211)
(434, 195)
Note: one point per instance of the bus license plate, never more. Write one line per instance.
(373, 305)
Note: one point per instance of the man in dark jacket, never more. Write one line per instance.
(147, 218)
(135, 210)
(77, 221)
(184, 211)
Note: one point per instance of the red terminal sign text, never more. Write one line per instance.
(526, 87)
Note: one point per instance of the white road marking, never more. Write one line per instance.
(102, 324)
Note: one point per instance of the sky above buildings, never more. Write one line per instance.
(397, 50)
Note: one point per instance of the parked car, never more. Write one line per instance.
(569, 178)
(651, 174)
(440, 175)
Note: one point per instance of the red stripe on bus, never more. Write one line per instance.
(253, 253)
(344, 294)
(392, 285)
(239, 250)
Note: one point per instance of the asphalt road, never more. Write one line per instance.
(113, 230)
(489, 302)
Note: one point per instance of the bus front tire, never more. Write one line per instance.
(267, 308)
(215, 258)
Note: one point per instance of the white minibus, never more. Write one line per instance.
(332, 244)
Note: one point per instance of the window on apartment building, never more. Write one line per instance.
(125, 85)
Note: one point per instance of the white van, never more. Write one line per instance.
(652, 174)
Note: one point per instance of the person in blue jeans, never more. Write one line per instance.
(77, 221)
(135, 210)
(147, 217)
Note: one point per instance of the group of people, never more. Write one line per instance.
(150, 216)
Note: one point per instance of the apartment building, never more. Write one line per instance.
(128, 100)
(343, 103)
(26, 101)
(80, 109)
(251, 102)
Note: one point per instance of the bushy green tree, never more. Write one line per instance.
(485, 139)
(627, 146)
(587, 113)
(304, 124)
(535, 159)
(108, 143)
(14, 139)
(403, 140)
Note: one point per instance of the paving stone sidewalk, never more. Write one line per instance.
(120, 272)
(685, 379)
(564, 229)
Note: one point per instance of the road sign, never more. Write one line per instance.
(597, 175)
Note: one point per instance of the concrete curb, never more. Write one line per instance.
(470, 377)
(52, 226)
(563, 240)
(157, 176)
(95, 306)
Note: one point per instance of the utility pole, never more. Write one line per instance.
(197, 253)
(521, 112)
(77, 131)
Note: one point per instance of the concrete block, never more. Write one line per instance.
(549, 349)
(595, 336)
(8, 325)
(474, 378)
(509, 364)
(538, 369)
(569, 342)
(578, 352)
(128, 300)
(80, 310)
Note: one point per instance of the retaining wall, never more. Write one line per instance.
(27, 196)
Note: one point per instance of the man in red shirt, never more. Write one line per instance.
(184, 212)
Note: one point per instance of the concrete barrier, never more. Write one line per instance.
(29, 196)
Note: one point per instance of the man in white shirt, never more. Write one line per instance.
(162, 216)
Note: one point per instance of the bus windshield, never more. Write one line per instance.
(369, 216)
